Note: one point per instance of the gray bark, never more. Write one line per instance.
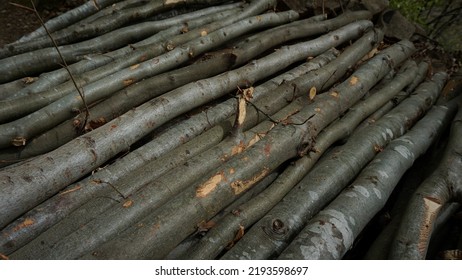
(101, 25)
(221, 235)
(329, 234)
(68, 18)
(132, 54)
(443, 186)
(45, 215)
(240, 173)
(272, 233)
(117, 104)
(62, 108)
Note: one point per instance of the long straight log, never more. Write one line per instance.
(110, 212)
(101, 228)
(222, 234)
(86, 153)
(443, 186)
(21, 106)
(14, 66)
(66, 19)
(240, 173)
(117, 104)
(100, 26)
(62, 109)
(153, 191)
(44, 215)
(131, 54)
(272, 233)
(332, 232)
(185, 247)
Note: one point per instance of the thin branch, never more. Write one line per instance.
(63, 61)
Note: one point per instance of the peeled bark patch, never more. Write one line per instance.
(240, 186)
(210, 185)
(27, 222)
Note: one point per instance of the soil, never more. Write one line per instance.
(16, 22)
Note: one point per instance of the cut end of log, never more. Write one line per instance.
(19, 141)
(432, 207)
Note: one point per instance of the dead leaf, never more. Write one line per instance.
(3, 257)
(95, 123)
(133, 67)
(237, 237)
(204, 226)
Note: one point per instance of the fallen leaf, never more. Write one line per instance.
(95, 123)
(204, 226)
(237, 237)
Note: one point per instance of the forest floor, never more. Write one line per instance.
(16, 22)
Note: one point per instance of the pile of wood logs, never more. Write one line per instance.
(211, 129)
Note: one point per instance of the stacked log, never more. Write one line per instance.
(206, 129)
